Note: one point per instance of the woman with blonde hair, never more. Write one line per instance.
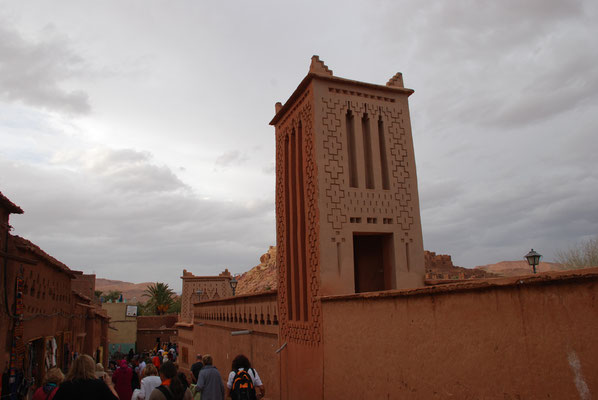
(150, 381)
(81, 382)
(47, 391)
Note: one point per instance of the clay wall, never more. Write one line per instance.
(85, 284)
(47, 305)
(347, 207)
(511, 338)
(157, 321)
(215, 320)
(371, 125)
(187, 352)
(96, 340)
(147, 339)
(212, 287)
(123, 337)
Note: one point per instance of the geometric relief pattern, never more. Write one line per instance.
(333, 164)
(400, 165)
(344, 201)
(308, 332)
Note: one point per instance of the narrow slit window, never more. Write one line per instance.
(288, 211)
(302, 245)
(367, 151)
(383, 159)
(352, 157)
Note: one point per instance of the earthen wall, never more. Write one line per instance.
(531, 337)
(85, 284)
(241, 325)
(211, 287)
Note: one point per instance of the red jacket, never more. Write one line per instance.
(122, 378)
(48, 394)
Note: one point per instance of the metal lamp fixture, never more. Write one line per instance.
(233, 284)
(533, 259)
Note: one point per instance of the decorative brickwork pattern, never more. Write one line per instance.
(305, 332)
(345, 202)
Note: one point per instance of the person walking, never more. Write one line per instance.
(240, 366)
(171, 388)
(81, 383)
(209, 383)
(47, 391)
(150, 381)
(196, 367)
(122, 378)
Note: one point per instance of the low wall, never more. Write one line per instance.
(527, 337)
(215, 320)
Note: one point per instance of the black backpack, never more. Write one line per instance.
(242, 388)
(166, 392)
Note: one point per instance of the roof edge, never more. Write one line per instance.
(281, 111)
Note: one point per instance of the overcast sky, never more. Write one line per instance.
(135, 134)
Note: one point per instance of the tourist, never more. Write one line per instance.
(196, 367)
(241, 363)
(157, 361)
(100, 373)
(171, 387)
(150, 381)
(142, 365)
(209, 383)
(136, 378)
(122, 379)
(47, 391)
(81, 383)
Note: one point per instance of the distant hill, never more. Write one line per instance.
(517, 268)
(133, 292)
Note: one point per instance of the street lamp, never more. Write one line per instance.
(533, 259)
(199, 293)
(233, 284)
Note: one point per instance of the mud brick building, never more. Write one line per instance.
(44, 321)
(153, 330)
(195, 289)
(353, 316)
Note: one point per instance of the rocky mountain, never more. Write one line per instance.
(440, 266)
(262, 277)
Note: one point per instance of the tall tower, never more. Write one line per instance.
(347, 206)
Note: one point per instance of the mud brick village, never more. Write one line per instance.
(346, 304)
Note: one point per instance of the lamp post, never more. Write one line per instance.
(233, 284)
(533, 259)
(199, 293)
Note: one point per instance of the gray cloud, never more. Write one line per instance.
(233, 157)
(35, 72)
(503, 119)
(90, 223)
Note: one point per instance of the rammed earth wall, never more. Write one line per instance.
(530, 338)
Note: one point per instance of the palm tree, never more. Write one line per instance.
(160, 297)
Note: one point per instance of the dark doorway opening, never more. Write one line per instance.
(373, 258)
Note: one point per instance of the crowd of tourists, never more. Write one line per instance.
(152, 376)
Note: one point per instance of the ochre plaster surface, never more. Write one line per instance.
(345, 181)
(518, 338)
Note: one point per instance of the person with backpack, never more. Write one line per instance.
(209, 383)
(171, 388)
(243, 380)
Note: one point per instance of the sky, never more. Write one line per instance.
(135, 134)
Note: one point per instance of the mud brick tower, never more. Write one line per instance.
(347, 207)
